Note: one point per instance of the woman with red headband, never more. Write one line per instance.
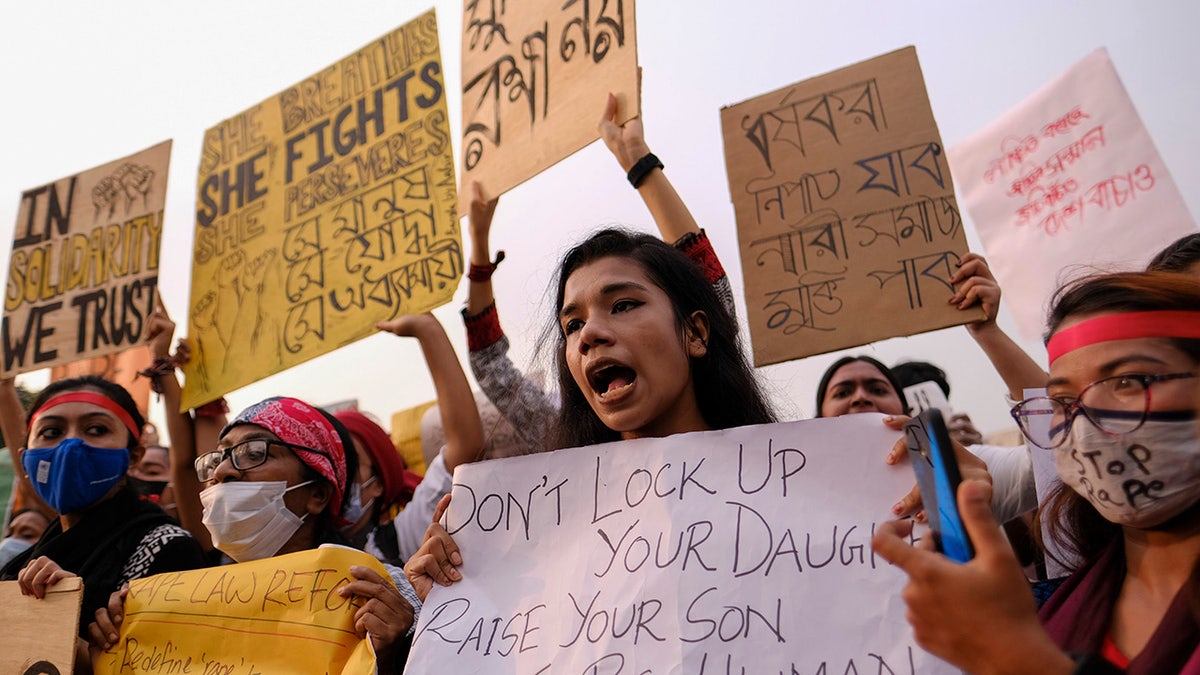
(1122, 400)
(83, 433)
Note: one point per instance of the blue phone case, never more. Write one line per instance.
(938, 477)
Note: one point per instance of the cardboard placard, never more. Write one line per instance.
(535, 75)
(1068, 180)
(40, 634)
(847, 222)
(719, 552)
(322, 210)
(277, 615)
(85, 262)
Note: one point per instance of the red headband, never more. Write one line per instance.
(1161, 324)
(95, 399)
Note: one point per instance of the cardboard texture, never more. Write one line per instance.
(84, 265)
(535, 78)
(1066, 183)
(322, 210)
(847, 222)
(40, 632)
(277, 615)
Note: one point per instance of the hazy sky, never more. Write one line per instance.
(89, 82)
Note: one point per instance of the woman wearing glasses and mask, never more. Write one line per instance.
(1124, 354)
(276, 484)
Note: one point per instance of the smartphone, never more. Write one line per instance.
(938, 477)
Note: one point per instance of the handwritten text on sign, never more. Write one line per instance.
(279, 615)
(1068, 177)
(322, 210)
(845, 210)
(535, 75)
(85, 263)
(699, 553)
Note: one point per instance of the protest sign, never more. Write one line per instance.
(40, 634)
(698, 553)
(1068, 181)
(277, 615)
(321, 211)
(84, 264)
(121, 368)
(535, 78)
(847, 222)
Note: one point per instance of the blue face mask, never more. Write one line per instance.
(11, 547)
(73, 475)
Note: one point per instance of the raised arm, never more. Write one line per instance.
(460, 417)
(12, 424)
(160, 330)
(976, 285)
(525, 405)
(675, 223)
(628, 144)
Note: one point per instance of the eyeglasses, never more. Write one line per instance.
(244, 456)
(1115, 405)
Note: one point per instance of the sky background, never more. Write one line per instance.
(86, 83)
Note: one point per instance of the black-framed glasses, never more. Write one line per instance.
(1115, 405)
(244, 456)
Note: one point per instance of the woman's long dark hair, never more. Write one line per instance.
(823, 386)
(110, 390)
(727, 391)
(1072, 523)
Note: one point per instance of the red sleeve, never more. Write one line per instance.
(483, 329)
(697, 247)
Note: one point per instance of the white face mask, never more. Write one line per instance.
(1141, 479)
(11, 547)
(355, 508)
(248, 520)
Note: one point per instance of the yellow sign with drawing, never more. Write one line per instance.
(278, 615)
(322, 210)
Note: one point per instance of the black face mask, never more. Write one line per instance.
(150, 490)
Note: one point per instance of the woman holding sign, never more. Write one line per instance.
(1124, 360)
(644, 348)
(276, 484)
(83, 433)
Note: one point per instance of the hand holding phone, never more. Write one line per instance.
(938, 476)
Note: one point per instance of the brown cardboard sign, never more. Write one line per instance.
(40, 634)
(535, 77)
(847, 222)
(84, 265)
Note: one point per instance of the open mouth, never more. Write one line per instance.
(611, 380)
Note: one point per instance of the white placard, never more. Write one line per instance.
(1067, 179)
(698, 553)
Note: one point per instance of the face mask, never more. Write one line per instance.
(12, 547)
(355, 508)
(248, 519)
(1141, 479)
(150, 490)
(73, 475)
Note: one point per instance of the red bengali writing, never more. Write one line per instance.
(1059, 162)
(1064, 124)
(1107, 195)
(1014, 149)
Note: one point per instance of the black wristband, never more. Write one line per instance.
(642, 168)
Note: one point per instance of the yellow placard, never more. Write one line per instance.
(535, 75)
(322, 210)
(39, 635)
(279, 615)
(84, 265)
(847, 223)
